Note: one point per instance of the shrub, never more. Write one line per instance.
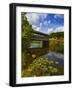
(42, 67)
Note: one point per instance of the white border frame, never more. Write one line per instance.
(20, 80)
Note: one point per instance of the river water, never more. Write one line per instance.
(55, 56)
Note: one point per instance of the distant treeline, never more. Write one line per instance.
(57, 43)
(57, 34)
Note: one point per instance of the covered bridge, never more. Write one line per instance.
(39, 45)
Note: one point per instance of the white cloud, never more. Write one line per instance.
(45, 23)
(43, 16)
(58, 16)
(58, 29)
(33, 18)
(50, 30)
(40, 24)
(37, 29)
(34, 26)
(49, 21)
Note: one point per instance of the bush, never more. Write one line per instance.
(41, 67)
(56, 45)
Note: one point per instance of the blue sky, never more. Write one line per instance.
(45, 22)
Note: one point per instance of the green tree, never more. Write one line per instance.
(26, 37)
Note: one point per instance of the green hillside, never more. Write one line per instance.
(57, 34)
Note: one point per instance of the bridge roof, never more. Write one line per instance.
(40, 36)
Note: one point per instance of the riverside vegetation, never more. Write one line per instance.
(40, 66)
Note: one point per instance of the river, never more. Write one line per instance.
(55, 56)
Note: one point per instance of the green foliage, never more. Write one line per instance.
(56, 45)
(57, 34)
(56, 42)
(41, 67)
(60, 48)
(26, 33)
(26, 36)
